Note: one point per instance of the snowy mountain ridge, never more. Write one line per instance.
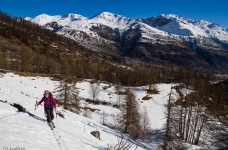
(166, 37)
(177, 25)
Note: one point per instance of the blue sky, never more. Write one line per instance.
(214, 11)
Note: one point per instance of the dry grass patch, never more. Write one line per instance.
(54, 77)
(29, 74)
(146, 98)
(95, 102)
(93, 81)
(178, 87)
(104, 103)
(90, 109)
(116, 106)
(3, 71)
(106, 87)
(60, 114)
(152, 91)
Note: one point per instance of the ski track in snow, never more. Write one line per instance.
(60, 142)
(29, 129)
(16, 131)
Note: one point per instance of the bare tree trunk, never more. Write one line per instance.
(94, 90)
(188, 120)
(167, 134)
(65, 95)
(185, 114)
(103, 117)
(187, 125)
(199, 132)
(180, 129)
(191, 128)
(184, 123)
(195, 126)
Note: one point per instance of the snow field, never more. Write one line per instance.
(29, 129)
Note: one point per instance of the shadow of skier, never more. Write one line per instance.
(31, 115)
(34, 116)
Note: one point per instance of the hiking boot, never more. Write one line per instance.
(52, 123)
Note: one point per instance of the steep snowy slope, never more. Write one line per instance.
(62, 20)
(113, 20)
(180, 26)
(187, 27)
(79, 22)
(44, 19)
(212, 29)
(29, 130)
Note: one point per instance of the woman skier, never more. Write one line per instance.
(49, 103)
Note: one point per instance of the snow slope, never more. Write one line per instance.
(44, 19)
(113, 20)
(29, 130)
(212, 29)
(180, 26)
(78, 22)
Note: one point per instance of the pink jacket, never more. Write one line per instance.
(49, 102)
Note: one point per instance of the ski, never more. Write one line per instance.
(49, 124)
(53, 125)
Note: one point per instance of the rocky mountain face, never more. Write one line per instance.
(164, 38)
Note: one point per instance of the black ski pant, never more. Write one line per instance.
(49, 113)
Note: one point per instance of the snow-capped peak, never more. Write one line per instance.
(106, 15)
(211, 29)
(109, 16)
(113, 20)
(73, 17)
(169, 16)
(27, 18)
(44, 19)
(176, 25)
(171, 23)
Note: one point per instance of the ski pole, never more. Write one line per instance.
(35, 107)
(56, 117)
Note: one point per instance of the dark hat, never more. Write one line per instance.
(46, 92)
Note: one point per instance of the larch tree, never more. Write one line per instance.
(75, 105)
(130, 116)
(145, 125)
(119, 95)
(65, 92)
(171, 137)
